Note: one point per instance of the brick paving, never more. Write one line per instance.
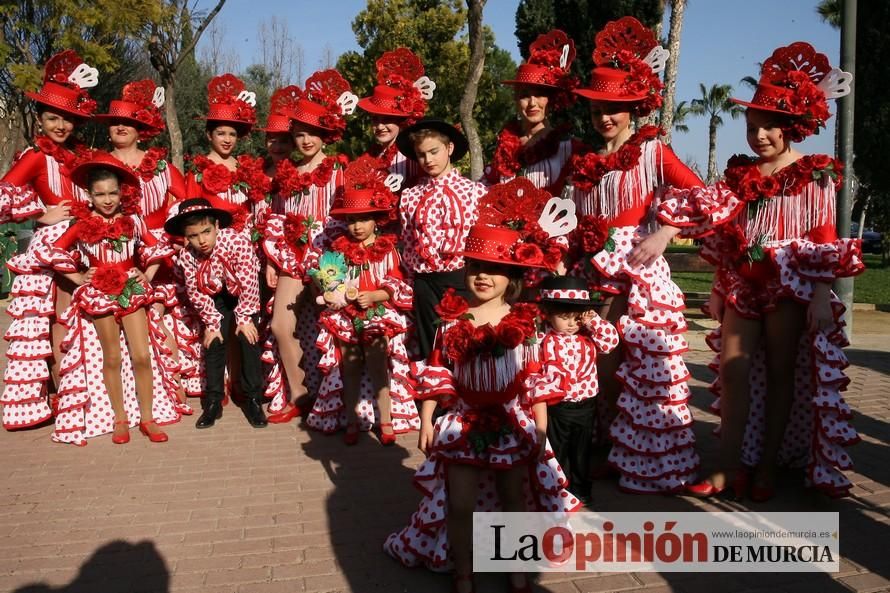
(283, 509)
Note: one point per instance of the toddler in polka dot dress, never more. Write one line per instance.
(568, 378)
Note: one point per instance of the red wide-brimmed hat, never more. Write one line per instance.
(99, 159)
(182, 210)
(366, 189)
(229, 102)
(140, 105)
(628, 60)
(499, 245)
(65, 77)
(326, 101)
(534, 220)
(402, 89)
(281, 105)
(796, 81)
(550, 57)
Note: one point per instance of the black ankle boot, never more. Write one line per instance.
(212, 412)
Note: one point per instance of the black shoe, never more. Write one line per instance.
(253, 411)
(212, 412)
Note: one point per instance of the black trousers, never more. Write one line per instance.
(428, 291)
(215, 356)
(570, 431)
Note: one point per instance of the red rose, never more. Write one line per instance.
(457, 340)
(529, 254)
(510, 334)
(92, 229)
(821, 161)
(592, 233)
(769, 186)
(628, 157)
(149, 166)
(552, 257)
(216, 178)
(239, 220)
(486, 338)
(109, 280)
(451, 306)
(122, 227)
(80, 210)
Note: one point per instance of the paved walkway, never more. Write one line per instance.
(237, 510)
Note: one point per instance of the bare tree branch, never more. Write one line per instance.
(197, 35)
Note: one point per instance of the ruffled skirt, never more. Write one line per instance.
(819, 426)
(653, 446)
(424, 541)
(328, 413)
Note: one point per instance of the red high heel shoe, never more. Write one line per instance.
(121, 439)
(154, 437)
(387, 439)
(350, 437)
(285, 415)
(704, 489)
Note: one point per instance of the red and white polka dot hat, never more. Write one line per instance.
(568, 291)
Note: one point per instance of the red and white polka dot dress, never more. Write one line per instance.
(653, 446)
(424, 541)
(35, 181)
(328, 413)
(796, 230)
(84, 409)
(295, 261)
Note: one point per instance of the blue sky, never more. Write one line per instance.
(723, 40)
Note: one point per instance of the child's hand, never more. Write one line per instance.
(365, 300)
(425, 438)
(249, 331)
(56, 214)
(542, 443)
(210, 336)
(87, 276)
(587, 317)
(819, 316)
(138, 275)
(271, 276)
(649, 249)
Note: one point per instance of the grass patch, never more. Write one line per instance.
(693, 281)
(872, 286)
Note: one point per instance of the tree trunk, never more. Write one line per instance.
(173, 128)
(474, 74)
(712, 152)
(670, 71)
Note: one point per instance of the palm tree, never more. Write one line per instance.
(830, 11)
(713, 103)
(681, 113)
(668, 109)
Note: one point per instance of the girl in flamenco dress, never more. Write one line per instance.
(135, 118)
(362, 336)
(770, 231)
(644, 390)
(103, 366)
(485, 354)
(398, 100)
(235, 184)
(532, 146)
(38, 187)
(304, 191)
